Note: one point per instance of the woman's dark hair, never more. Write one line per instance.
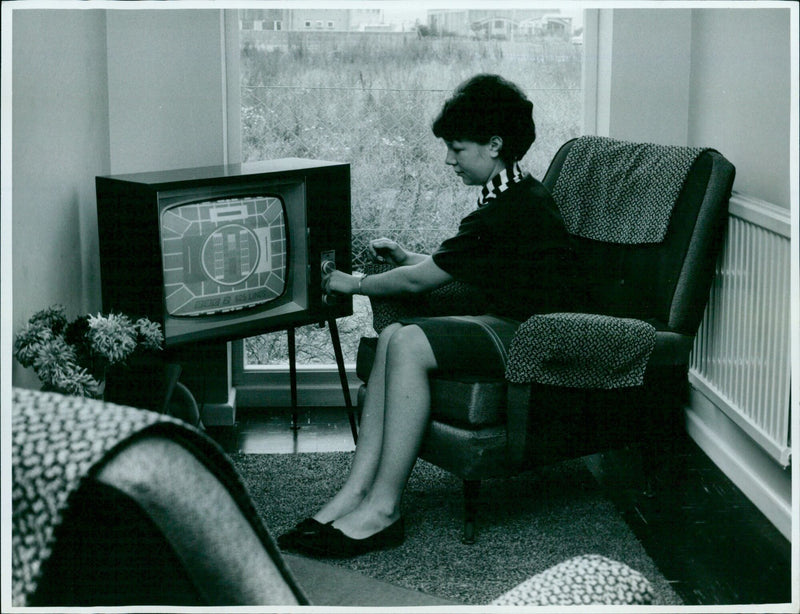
(486, 106)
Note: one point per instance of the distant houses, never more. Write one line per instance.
(309, 20)
(503, 24)
(483, 24)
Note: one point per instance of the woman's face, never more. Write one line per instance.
(473, 162)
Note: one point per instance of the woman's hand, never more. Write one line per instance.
(337, 282)
(388, 251)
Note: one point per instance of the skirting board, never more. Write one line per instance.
(761, 479)
(315, 388)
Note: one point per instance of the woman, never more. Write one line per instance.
(513, 246)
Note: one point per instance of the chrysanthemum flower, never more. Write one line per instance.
(54, 360)
(53, 318)
(29, 341)
(150, 336)
(113, 336)
(76, 381)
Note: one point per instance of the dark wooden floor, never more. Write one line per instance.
(706, 537)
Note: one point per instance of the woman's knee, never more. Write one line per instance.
(385, 336)
(409, 345)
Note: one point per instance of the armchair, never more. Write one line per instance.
(647, 222)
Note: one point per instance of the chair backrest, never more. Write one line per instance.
(666, 283)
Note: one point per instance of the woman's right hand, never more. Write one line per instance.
(387, 251)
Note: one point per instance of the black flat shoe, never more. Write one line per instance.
(307, 526)
(331, 542)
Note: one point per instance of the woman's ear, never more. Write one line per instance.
(495, 146)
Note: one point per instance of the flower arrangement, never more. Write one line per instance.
(73, 357)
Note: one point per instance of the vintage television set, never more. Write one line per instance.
(225, 252)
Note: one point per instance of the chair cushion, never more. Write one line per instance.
(470, 454)
(471, 402)
(365, 357)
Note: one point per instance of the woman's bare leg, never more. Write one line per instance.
(370, 439)
(409, 359)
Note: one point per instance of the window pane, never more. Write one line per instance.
(368, 98)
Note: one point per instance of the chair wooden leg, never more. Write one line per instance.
(472, 489)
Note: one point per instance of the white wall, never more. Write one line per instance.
(60, 142)
(643, 80)
(98, 92)
(165, 89)
(740, 97)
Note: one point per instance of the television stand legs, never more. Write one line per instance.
(337, 350)
(293, 375)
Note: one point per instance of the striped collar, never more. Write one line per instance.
(500, 183)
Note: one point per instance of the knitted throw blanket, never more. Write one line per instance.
(56, 441)
(620, 192)
(580, 350)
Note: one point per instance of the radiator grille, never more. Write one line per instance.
(741, 356)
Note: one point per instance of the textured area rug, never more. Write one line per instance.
(525, 525)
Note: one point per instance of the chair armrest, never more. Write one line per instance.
(222, 548)
(168, 468)
(580, 350)
(575, 350)
(454, 298)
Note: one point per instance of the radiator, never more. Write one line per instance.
(741, 357)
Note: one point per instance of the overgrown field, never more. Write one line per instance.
(369, 100)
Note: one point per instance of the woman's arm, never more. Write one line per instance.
(412, 279)
(389, 251)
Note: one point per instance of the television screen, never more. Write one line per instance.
(222, 255)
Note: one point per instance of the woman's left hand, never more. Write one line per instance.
(337, 282)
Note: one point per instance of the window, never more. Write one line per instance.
(369, 100)
(277, 25)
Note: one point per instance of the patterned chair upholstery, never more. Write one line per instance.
(648, 222)
(589, 579)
